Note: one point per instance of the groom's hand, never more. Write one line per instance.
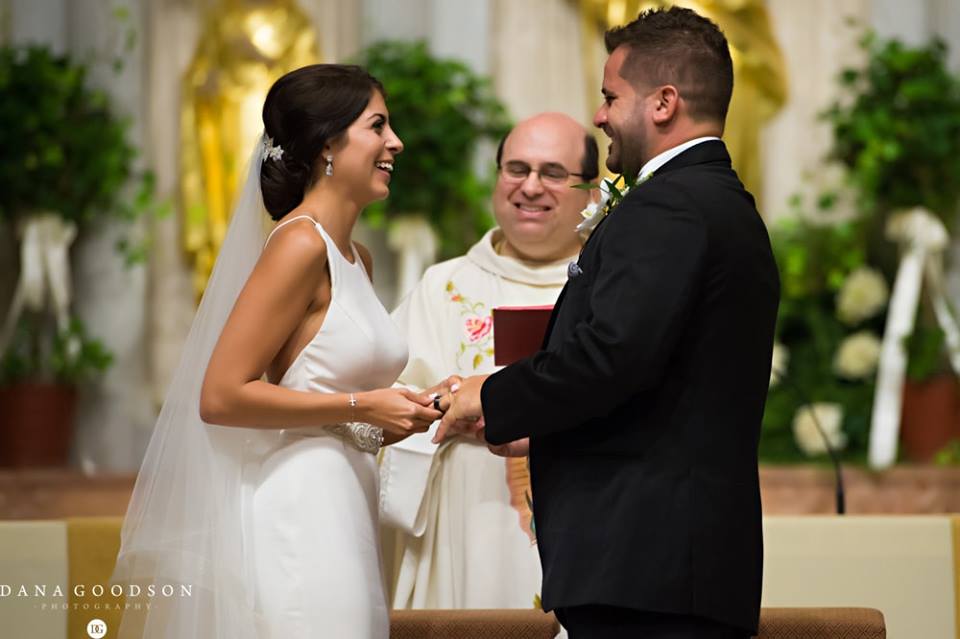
(463, 410)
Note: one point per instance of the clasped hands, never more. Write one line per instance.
(459, 400)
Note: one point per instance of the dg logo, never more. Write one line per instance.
(97, 629)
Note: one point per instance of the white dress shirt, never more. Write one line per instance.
(659, 160)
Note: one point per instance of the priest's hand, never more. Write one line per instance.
(518, 448)
(448, 385)
(463, 412)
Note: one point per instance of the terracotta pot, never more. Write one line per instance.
(37, 424)
(931, 416)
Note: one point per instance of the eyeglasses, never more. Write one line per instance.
(550, 173)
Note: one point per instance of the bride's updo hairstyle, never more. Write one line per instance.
(304, 110)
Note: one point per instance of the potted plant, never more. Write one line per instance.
(65, 163)
(39, 377)
(897, 130)
(442, 110)
(832, 312)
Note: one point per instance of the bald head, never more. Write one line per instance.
(537, 209)
(555, 125)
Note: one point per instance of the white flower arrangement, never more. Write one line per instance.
(857, 356)
(781, 360)
(74, 346)
(808, 437)
(863, 295)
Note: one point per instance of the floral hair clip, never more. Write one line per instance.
(271, 151)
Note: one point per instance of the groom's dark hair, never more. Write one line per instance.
(679, 47)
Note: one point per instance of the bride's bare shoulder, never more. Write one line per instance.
(295, 248)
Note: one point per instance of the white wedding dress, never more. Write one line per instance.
(273, 533)
(312, 524)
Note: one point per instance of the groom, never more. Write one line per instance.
(643, 409)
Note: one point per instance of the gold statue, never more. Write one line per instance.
(760, 83)
(244, 47)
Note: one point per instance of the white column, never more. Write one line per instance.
(339, 27)
(116, 413)
(816, 45)
(907, 21)
(453, 28)
(38, 21)
(171, 285)
(944, 17)
(461, 29)
(538, 59)
(389, 19)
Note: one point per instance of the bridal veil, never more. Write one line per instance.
(184, 530)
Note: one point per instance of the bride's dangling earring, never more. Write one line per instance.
(329, 169)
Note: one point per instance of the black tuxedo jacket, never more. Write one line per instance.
(644, 404)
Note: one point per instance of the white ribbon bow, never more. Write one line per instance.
(923, 239)
(415, 241)
(45, 240)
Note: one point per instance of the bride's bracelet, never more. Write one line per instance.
(353, 407)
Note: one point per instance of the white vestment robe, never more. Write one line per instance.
(456, 520)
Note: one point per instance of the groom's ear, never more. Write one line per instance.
(668, 101)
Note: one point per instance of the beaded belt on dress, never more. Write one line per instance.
(365, 437)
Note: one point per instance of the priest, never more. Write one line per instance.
(456, 518)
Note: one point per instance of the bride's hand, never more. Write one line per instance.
(397, 410)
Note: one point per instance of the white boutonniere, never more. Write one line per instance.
(612, 193)
(595, 211)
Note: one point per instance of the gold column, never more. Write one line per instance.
(245, 45)
(760, 82)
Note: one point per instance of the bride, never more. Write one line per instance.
(257, 497)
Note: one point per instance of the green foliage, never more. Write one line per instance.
(898, 129)
(73, 356)
(815, 261)
(925, 352)
(897, 132)
(62, 149)
(22, 359)
(442, 111)
(135, 248)
(949, 455)
(76, 356)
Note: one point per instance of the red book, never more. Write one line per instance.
(518, 332)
